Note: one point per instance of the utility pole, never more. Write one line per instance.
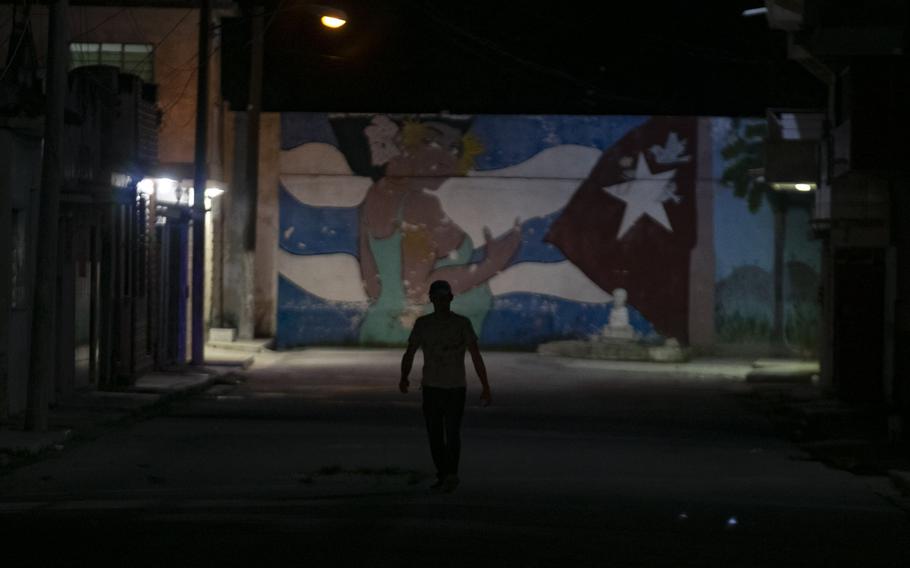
(246, 327)
(6, 278)
(254, 106)
(199, 181)
(44, 317)
(239, 296)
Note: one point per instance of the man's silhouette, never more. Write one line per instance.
(444, 336)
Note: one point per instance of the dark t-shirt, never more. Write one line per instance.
(444, 339)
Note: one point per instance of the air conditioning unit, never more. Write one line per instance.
(785, 15)
(792, 149)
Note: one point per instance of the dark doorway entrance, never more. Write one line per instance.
(859, 275)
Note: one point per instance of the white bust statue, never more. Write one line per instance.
(618, 326)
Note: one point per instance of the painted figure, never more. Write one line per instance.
(444, 336)
(406, 239)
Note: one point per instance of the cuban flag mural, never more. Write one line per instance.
(536, 221)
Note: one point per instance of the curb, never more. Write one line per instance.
(769, 376)
(168, 396)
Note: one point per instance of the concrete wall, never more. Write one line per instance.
(22, 147)
(256, 304)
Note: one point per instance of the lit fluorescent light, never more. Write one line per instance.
(166, 190)
(171, 191)
(793, 186)
(146, 186)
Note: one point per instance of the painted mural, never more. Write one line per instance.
(744, 247)
(536, 221)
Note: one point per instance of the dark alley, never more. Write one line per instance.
(317, 456)
(447, 283)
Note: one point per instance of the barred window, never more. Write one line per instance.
(134, 58)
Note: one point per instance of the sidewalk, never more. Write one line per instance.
(852, 437)
(85, 414)
(791, 371)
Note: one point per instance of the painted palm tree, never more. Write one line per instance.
(744, 155)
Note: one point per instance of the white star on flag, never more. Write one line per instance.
(644, 195)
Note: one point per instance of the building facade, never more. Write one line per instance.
(123, 251)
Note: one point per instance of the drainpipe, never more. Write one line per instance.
(199, 183)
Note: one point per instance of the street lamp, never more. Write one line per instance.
(329, 17)
(332, 22)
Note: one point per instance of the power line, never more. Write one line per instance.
(189, 79)
(271, 18)
(195, 57)
(12, 21)
(161, 41)
(99, 24)
(12, 58)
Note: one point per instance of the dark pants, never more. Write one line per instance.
(443, 409)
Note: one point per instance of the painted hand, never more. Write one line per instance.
(500, 250)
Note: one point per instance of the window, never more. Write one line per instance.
(135, 58)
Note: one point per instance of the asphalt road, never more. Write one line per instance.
(317, 457)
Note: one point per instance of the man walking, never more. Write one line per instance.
(444, 336)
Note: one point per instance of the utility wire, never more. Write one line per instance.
(161, 41)
(12, 58)
(189, 79)
(99, 24)
(194, 58)
(12, 21)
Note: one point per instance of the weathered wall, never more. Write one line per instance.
(20, 146)
(536, 221)
(258, 303)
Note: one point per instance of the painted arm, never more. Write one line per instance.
(498, 254)
(481, 369)
(426, 212)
